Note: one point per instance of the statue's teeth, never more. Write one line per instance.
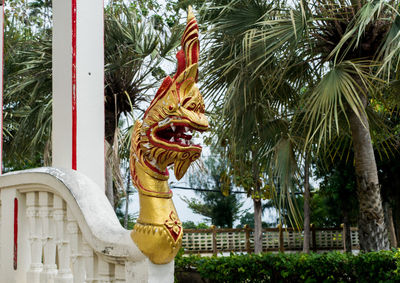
(186, 129)
(173, 127)
(172, 139)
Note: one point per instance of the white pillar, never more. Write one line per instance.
(78, 87)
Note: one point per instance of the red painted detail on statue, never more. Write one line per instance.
(164, 194)
(191, 26)
(74, 110)
(180, 56)
(165, 173)
(167, 82)
(190, 34)
(174, 226)
(195, 53)
(15, 257)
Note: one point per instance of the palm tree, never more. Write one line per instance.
(256, 127)
(27, 94)
(337, 55)
(134, 50)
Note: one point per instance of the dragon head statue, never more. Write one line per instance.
(165, 138)
(176, 112)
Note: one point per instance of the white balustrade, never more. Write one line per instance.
(68, 233)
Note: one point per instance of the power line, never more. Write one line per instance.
(218, 191)
(204, 190)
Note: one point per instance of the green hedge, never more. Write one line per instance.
(371, 267)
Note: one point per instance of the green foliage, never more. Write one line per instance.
(217, 204)
(285, 76)
(251, 121)
(381, 266)
(191, 225)
(27, 84)
(336, 199)
(248, 219)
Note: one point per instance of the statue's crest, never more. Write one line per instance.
(176, 111)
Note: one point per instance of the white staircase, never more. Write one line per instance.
(56, 225)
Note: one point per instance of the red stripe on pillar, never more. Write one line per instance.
(15, 259)
(74, 114)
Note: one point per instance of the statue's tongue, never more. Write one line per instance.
(181, 166)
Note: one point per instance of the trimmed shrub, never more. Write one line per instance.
(383, 266)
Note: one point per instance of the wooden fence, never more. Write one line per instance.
(215, 240)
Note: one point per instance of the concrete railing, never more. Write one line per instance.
(58, 226)
(216, 240)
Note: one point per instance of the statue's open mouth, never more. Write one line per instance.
(177, 133)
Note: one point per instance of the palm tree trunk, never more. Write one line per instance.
(396, 219)
(257, 226)
(110, 125)
(257, 208)
(348, 231)
(372, 230)
(109, 183)
(126, 216)
(390, 225)
(306, 243)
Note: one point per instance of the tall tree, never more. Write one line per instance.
(336, 201)
(256, 122)
(346, 50)
(307, 199)
(27, 101)
(218, 202)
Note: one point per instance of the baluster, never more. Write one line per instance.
(45, 215)
(119, 273)
(88, 258)
(77, 263)
(106, 271)
(64, 274)
(35, 227)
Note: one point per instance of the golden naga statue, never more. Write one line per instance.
(163, 139)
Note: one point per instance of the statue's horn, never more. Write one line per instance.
(189, 54)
